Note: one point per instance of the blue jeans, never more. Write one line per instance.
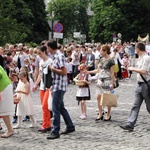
(58, 108)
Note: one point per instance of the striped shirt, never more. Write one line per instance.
(59, 81)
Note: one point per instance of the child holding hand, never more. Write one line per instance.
(83, 91)
(25, 105)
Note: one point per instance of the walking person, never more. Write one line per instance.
(59, 75)
(6, 102)
(141, 92)
(105, 80)
(45, 80)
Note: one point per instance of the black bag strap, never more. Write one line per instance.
(144, 79)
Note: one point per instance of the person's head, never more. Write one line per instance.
(42, 51)
(105, 50)
(31, 51)
(89, 50)
(26, 61)
(125, 55)
(52, 46)
(11, 48)
(23, 76)
(115, 50)
(82, 67)
(140, 48)
(60, 47)
(67, 60)
(24, 69)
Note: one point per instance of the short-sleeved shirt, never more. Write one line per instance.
(59, 81)
(144, 64)
(105, 66)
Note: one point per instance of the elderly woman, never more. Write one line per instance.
(6, 102)
(105, 76)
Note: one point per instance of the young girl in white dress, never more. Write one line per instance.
(83, 92)
(25, 105)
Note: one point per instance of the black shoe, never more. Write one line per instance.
(127, 127)
(109, 119)
(14, 120)
(68, 130)
(100, 118)
(26, 119)
(53, 136)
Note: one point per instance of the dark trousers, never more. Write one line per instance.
(58, 109)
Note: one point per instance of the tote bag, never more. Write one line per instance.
(108, 99)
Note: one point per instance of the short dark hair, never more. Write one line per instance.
(52, 44)
(42, 48)
(140, 46)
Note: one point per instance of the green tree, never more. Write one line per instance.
(72, 14)
(10, 30)
(23, 21)
(128, 17)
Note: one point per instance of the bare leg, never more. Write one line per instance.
(9, 131)
(99, 106)
(82, 107)
(33, 122)
(108, 113)
(19, 123)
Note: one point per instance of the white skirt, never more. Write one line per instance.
(6, 102)
(25, 106)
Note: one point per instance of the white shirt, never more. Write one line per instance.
(41, 70)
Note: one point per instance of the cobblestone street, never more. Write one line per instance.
(89, 135)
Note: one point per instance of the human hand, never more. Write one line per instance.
(34, 88)
(130, 68)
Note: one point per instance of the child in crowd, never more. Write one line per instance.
(23, 69)
(126, 64)
(29, 66)
(69, 69)
(83, 92)
(25, 105)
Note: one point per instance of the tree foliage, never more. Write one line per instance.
(128, 17)
(22, 21)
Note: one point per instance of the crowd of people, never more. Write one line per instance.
(53, 66)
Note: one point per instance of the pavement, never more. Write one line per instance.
(89, 135)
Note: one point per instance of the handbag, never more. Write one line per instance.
(146, 82)
(109, 99)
